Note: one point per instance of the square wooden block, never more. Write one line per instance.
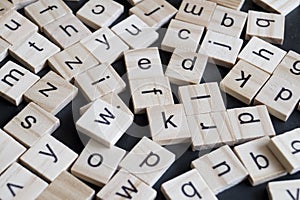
(44, 12)
(97, 158)
(15, 81)
(260, 162)
(283, 190)
(168, 124)
(99, 13)
(285, 147)
(51, 92)
(31, 124)
(196, 12)
(19, 183)
(267, 26)
(182, 35)
(4, 46)
(233, 4)
(143, 63)
(104, 123)
(34, 52)
(201, 98)
(150, 92)
(148, 161)
(22, 3)
(221, 169)
(154, 12)
(125, 185)
(105, 45)
(186, 186)
(48, 158)
(10, 152)
(186, 67)
(281, 96)
(249, 123)
(262, 54)
(73, 189)
(283, 7)
(210, 130)
(99, 81)
(15, 28)
(220, 48)
(244, 81)
(5, 7)
(228, 21)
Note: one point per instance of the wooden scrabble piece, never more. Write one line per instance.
(15, 81)
(250, 123)
(134, 2)
(186, 67)
(220, 48)
(72, 189)
(22, 3)
(72, 61)
(143, 63)
(126, 186)
(244, 81)
(19, 183)
(15, 28)
(186, 186)
(44, 12)
(201, 98)
(66, 31)
(196, 12)
(283, 7)
(31, 124)
(262, 54)
(34, 51)
(285, 148)
(5, 6)
(48, 157)
(136, 33)
(221, 169)
(99, 81)
(11, 150)
(168, 124)
(228, 21)
(233, 4)
(3, 49)
(150, 92)
(284, 190)
(105, 45)
(260, 162)
(97, 158)
(148, 161)
(155, 13)
(182, 35)
(104, 123)
(210, 130)
(99, 13)
(267, 26)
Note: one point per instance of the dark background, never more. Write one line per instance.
(69, 136)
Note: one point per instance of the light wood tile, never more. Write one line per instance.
(134, 2)
(261, 164)
(32, 123)
(283, 7)
(233, 4)
(148, 161)
(6, 6)
(221, 169)
(22, 3)
(4, 46)
(284, 190)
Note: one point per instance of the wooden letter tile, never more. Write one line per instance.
(233, 4)
(31, 124)
(126, 186)
(15, 81)
(104, 123)
(98, 13)
(250, 123)
(66, 186)
(201, 98)
(262, 54)
(182, 35)
(260, 162)
(187, 186)
(221, 169)
(134, 2)
(19, 183)
(244, 81)
(3, 48)
(48, 158)
(220, 48)
(5, 7)
(284, 190)
(283, 7)
(22, 3)
(186, 67)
